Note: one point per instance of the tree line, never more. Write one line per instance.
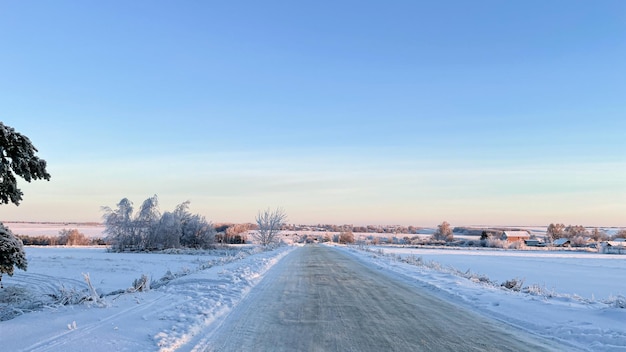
(578, 234)
(66, 237)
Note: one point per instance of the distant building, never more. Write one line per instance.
(617, 246)
(533, 242)
(513, 236)
(561, 242)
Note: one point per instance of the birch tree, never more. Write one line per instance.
(269, 223)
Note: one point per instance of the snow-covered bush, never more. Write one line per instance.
(142, 284)
(346, 237)
(69, 295)
(516, 245)
(617, 301)
(513, 284)
(496, 243)
(537, 290)
(16, 300)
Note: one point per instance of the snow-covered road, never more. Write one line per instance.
(320, 299)
(212, 290)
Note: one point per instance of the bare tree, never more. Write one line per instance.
(72, 237)
(443, 232)
(269, 223)
(598, 235)
(555, 231)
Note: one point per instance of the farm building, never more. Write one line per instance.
(561, 242)
(512, 236)
(533, 242)
(617, 246)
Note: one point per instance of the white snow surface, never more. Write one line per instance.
(200, 290)
(574, 298)
(90, 230)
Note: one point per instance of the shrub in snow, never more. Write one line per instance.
(537, 290)
(516, 245)
(617, 301)
(411, 259)
(72, 295)
(66, 296)
(513, 284)
(11, 253)
(346, 237)
(496, 243)
(474, 277)
(142, 284)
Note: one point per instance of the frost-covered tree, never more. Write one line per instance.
(151, 230)
(146, 221)
(11, 253)
(17, 158)
(576, 230)
(167, 233)
(197, 232)
(120, 226)
(269, 224)
(555, 231)
(443, 232)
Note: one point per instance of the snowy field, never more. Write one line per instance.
(588, 275)
(575, 298)
(52, 229)
(195, 291)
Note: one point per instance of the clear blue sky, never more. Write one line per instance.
(364, 112)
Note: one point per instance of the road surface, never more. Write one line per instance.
(320, 299)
